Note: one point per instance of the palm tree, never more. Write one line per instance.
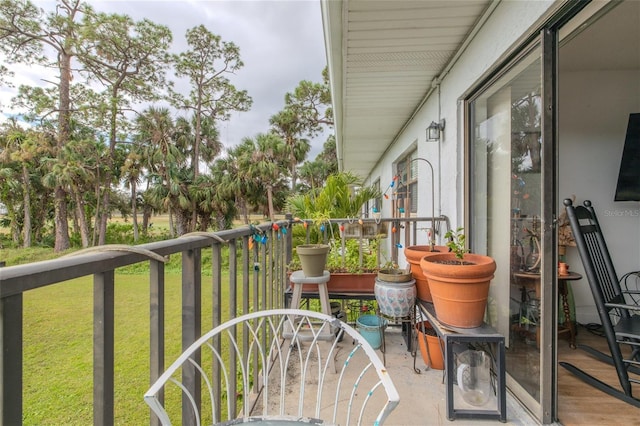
(207, 149)
(22, 148)
(266, 164)
(155, 135)
(10, 189)
(240, 185)
(287, 125)
(132, 174)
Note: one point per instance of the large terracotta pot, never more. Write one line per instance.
(459, 292)
(431, 346)
(414, 254)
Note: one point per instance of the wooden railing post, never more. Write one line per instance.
(103, 348)
(11, 364)
(191, 329)
(156, 319)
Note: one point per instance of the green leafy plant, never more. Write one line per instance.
(456, 242)
(349, 261)
(341, 197)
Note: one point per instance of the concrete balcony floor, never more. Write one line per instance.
(422, 396)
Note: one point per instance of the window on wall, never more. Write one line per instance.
(376, 203)
(407, 183)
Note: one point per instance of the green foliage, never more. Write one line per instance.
(342, 196)
(18, 256)
(123, 65)
(350, 262)
(456, 242)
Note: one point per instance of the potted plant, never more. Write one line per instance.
(395, 292)
(313, 258)
(342, 197)
(431, 346)
(350, 272)
(414, 255)
(459, 282)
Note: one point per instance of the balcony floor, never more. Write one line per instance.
(422, 396)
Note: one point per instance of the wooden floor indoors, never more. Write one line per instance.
(581, 404)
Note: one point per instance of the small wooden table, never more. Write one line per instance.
(526, 279)
(563, 290)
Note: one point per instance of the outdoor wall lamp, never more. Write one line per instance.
(434, 129)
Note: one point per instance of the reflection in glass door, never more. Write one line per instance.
(505, 209)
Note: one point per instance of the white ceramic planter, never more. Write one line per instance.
(395, 299)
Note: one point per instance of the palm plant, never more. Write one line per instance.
(264, 163)
(343, 196)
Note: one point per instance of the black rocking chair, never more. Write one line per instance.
(619, 318)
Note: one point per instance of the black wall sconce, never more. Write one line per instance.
(434, 129)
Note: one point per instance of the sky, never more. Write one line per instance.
(281, 43)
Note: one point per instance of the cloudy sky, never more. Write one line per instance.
(280, 41)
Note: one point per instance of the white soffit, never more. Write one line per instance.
(383, 56)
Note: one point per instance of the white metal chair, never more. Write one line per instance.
(247, 370)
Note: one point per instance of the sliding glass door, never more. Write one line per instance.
(506, 199)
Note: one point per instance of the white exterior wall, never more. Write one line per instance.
(509, 22)
(594, 112)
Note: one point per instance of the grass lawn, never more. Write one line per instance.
(58, 348)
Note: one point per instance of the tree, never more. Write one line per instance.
(21, 150)
(264, 162)
(77, 171)
(129, 58)
(24, 34)
(287, 125)
(214, 201)
(311, 104)
(132, 173)
(307, 111)
(156, 139)
(9, 193)
(5, 75)
(231, 181)
(315, 173)
(209, 148)
(212, 97)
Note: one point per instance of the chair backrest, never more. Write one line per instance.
(601, 275)
(595, 256)
(276, 364)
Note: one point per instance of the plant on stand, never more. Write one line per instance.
(459, 282)
(342, 197)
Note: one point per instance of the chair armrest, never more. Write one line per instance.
(623, 306)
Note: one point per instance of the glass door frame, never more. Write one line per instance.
(546, 39)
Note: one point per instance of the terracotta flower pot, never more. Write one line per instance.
(431, 346)
(413, 255)
(459, 292)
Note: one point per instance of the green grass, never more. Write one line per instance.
(58, 352)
